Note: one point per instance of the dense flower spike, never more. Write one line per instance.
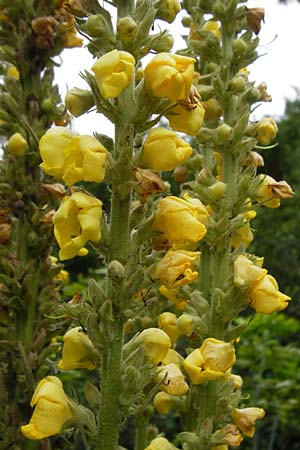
(156, 344)
(72, 158)
(76, 353)
(210, 361)
(164, 150)
(52, 410)
(246, 418)
(170, 76)
(177, 268)
(265, 296)
(180, 220)
(75, 222)
(114, 72)
(186, 117)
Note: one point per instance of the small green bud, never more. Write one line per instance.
(96, 26)
(116, 270)
(219, 10)
(168, 10)
(186, 21)
(127, 29)
(32, 238)
(237, 84)
(224, 133)
(218, 190)
(47, 105)
(253, 95)
(17, 145)
(79, 101)
(239, 47)
(164, 43)
(205, 92)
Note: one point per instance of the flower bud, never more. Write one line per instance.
(212, 108)
(175, 150)
(97, 27)
(245, 419)
(213, 27)
(75, 7)
(167, 322)
(77, 351)
(185, 324)
(239, 47)
(217, 190)
(156, 344)
(164, 43)
(127, 29)
(115, 270)
(167, 10)
(242, 236)
(13, 72)
(17, 145)
(79, 101)
(266, 130)
(224, 133)
(237, 84)
(160, 443)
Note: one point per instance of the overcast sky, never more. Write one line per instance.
(279, 68)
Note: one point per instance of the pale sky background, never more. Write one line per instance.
(279, 68)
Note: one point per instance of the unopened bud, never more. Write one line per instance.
(237, 84)
(266, 130)
(239, 47)
(79, 101)
(116, 270)
(164, 43)
(127, 29)
(224, 133)
(219, 10)
(212, 109)
(17, 145)
(186, 21)
(218, 190)
(168, 10)
(96, 26)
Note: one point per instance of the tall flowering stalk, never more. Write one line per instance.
(177, 271)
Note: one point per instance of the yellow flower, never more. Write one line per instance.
(170, 76)
(167, 322)
(164, 150)
(186, 118)
(17, 145)
(173, 357)
(114, 72)
(156, 344)
(52, 410)
(72, 158)
(160, 443)
(236, 379)
(76, 353)
(266, 130)
(75, 222)
(245, 419)
(172, 380)
(245, 271)
(177, 268)
(163, 402)
(264, 192)
(168, 10)
(242, 236)
(13, 72)
(213, 27)
(210, 361)
(180, 220)
(265, 296)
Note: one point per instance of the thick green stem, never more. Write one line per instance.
(119, 249)
(141, 425)
(31, 310)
